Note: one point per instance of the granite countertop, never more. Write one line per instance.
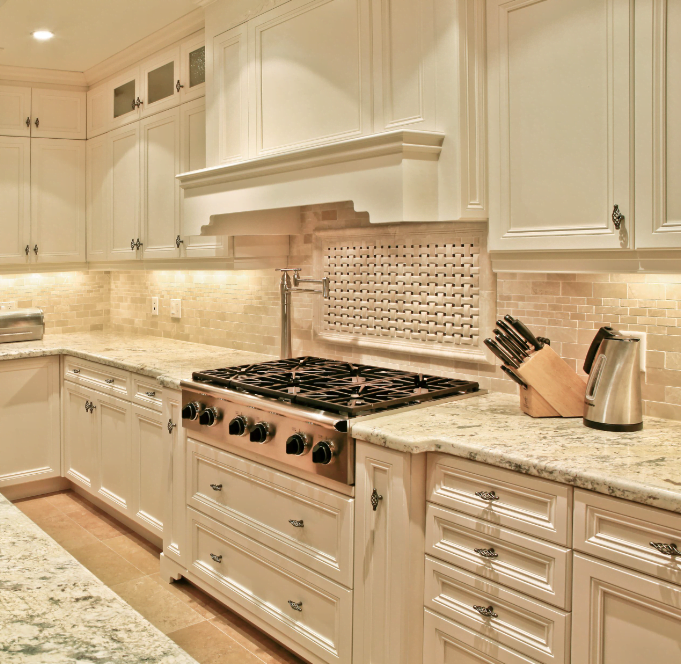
(167, 360)
(644, 467)
(53, 610)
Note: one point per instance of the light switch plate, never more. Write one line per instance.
(7, 306)
(154, 306)
(643, 336)
(176, 308)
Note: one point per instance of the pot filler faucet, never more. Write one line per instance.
(287, 285)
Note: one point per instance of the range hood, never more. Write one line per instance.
(393, 176)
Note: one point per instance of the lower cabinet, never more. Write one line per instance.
(80, 444)
(29, 420)
(174, 491)
(623, 617)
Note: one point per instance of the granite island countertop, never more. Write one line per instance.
(644, 467)
(54, 611)
(167, 360)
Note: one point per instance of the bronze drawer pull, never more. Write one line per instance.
(216, 487)
(217, 559)
(296, 606)
(489, 496)
(486, 612)
(666, 549)
(296, 524)
(487, 553)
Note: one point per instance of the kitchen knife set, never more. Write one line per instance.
(513, 344)
(551, 388)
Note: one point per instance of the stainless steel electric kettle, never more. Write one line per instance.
(613, 391)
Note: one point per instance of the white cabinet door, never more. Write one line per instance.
(80, 443)
(560, 124)
(124, 228)
(124, 95)
(113, 419)
(99, 110)
(389, 555)
(30, 443)
(58, 200)
(58, 114)
(227, 122)
(15, 199)
(98, 188)
(623, 617)
(15, 111)
(174, 489)
(160, 75)
(658, 124)
(160, 150)
(193, 67)
(310, 70)
(149, 438)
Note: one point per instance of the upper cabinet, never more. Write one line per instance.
(15, 111)
(192, 80)
(160, 82)
(560, 124)
(15, 199)
(124, 99)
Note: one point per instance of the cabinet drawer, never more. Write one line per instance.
(98, 376)
(263, 503)
(529, 504)
(621, 532)
(309, 609)
(525, 625)
(521, 562)
(147, 392)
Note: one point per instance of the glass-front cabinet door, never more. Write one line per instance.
(160, 82)
(192, 79)
(125, 91)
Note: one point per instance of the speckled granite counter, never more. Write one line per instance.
(53, 610)
(644, 467)
(167, 360)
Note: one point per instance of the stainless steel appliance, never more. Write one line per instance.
(294, 414)
(21, 325)
(613, 391)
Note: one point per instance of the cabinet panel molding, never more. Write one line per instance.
(98, 203)
(58, 114)
(15, 110)
(15, 199)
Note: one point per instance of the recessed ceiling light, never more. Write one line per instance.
(42, 35)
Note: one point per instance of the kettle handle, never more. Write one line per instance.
(603, 333)
(595, 378)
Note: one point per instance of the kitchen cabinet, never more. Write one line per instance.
(98, 196)
(149, 438)
(160, 82)
(193, 68)
(58, 114)
(80, 436)
(15, 111)
(389, 550)
(561, 126)
(623, 617)
(57, 200)
(15, 199)
(124, 94)
(174, 478)
(30, 445)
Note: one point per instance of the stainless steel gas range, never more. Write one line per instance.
(295, 414)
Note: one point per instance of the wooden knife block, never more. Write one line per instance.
(554, 389)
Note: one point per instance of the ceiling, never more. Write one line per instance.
(86, 31)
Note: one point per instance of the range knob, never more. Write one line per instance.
(261, 432)
(238, 426)
(323, 452)
(209, 417)
(192, 410)
(298, 444)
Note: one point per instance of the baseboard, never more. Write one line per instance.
(37, 488)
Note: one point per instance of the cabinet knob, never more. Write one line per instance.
(76, 371)
(28, 122)
(178, 85)
(37, 123)
(28, 250)
(137, 103)
(617, 217)
(138, 244)
(488, 612)
(374, 499)
(489, 496)
(35, 249)
(171, 426)
(132, 244)
(178, 241)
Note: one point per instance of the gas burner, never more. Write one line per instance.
(334, 386)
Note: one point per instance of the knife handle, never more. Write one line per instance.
(524, 332)
(496, 349)
(512, 334)
(506, 344)
(514, 377)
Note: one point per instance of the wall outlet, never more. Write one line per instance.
(643, 336)
(176, 308)
(154, 306)
(7, 306)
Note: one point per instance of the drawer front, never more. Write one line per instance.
(621, 532)
(147, 392)
(518, 561)
(305, 522)
(98, 376)
(447, 642)
(525, 625)
(528, 504)
(311, 610)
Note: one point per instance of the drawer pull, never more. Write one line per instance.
(487, 612)
(489, 496)
(150, 394)
(109, 381)
(487, 553)
(216, 487)
(76, 371)
(666, 549)
(296, 606)
(297, 524)
(217, 559)
(374, 499)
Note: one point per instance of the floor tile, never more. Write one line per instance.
(106, 564)
(67, 501)
(208, 645)
(202, 603)
(157, 605)
(100, 524)
(64, 531)
(37, 509)
(139, 552)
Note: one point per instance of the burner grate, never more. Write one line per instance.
(331, 385)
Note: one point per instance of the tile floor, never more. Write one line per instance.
(129, 565)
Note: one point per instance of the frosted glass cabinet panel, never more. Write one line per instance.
(193, 68)
(160, 82)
